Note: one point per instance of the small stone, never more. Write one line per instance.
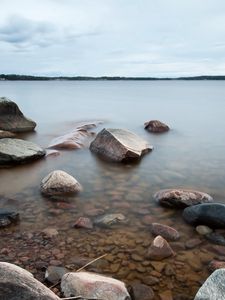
(50, 232)
(202, 229)
(192, 243)
(156, 126)
(53, 274)
(167, 295)
(160, 249)
(136, 257)
(165, 231)
(150, 280)
(110, 219)
(141, 292)
(215, 238)
(83, 222)
(158, 266)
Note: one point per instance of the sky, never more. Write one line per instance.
(159, 38)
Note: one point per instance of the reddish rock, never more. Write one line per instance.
(140, 291)
(216, 264)
(156, 126)
(160, 249)
(165, 231)
(83, 222)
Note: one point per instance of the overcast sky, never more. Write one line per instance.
(112, 37)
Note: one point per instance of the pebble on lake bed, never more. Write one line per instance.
(160, 249)
(59, 183)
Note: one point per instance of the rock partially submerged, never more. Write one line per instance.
(180, 198)
(15, 151)
(156, 126)
(12, 119)
(119, 145)
(91, 285)
(213, 288)
(6, 134)
(19, 284)
(210, 214)
(159, 249)
(109, 220)
(7, 217)
(75, 139)
(59, 183)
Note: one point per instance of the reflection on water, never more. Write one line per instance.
(191, 155)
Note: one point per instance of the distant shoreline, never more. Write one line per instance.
(14, 77)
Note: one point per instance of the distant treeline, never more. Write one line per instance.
(28, 77)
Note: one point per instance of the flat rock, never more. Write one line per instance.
(92, 285)
(19, 284)
(159, 249)
(156, 126)
(180, 198)
(141, 291)
(213, 288)
(7, 217)
(119, 145)
(109, 220)
(210, 214)
(15, 151)
(12, 119)
(59, 183)
(75, 139)
(6, 134)
(165, 231)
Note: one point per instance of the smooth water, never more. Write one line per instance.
(190, 155)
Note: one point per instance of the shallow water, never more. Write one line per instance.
(191, 155)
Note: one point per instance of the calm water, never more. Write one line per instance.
(191, 155)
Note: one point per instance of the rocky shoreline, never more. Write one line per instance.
(156, 265)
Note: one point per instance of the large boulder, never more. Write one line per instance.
(156, 126)
(91, 285)
(213, 288)
(180, 198)
(210, 214)
(12, 119)
(19, 151)
(119, 145)
(19, 284)
(59, 183)
(75, 139)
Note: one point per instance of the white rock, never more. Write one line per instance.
(59, 182)
(91, 285)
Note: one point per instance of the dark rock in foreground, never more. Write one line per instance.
(19, 284)
(119, 145)
(180, 198)
(93, 286)
(12, 119)
(15, 151)
(7, 217)
(210, 214)
(156, 126)
(213, 288)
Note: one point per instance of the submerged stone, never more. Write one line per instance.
(8, 217)
(119, 145)
(109, 220)
(12, 119)
(180, 198)
(165, 231)
(53, 273)
(159, 249)
(210, 214)
(15, 151)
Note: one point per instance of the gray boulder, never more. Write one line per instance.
(180, 198)
(93, 286)
(58, 183)
(19, 151)
(213, 288)
(210, 214)
(12, 119)
(19, 284)
(119, 145)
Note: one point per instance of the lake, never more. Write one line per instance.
(190, 155)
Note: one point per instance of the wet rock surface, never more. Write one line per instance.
(8, 217)
(159, 249)
(156, 126)
(119, 145)
(91, 285)
(59, 183)
(12, 119)
(165, 231)
(17, 283)
(109, 220)
(6, 134)
(210, 214)
(180, 198)
(15, 151)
